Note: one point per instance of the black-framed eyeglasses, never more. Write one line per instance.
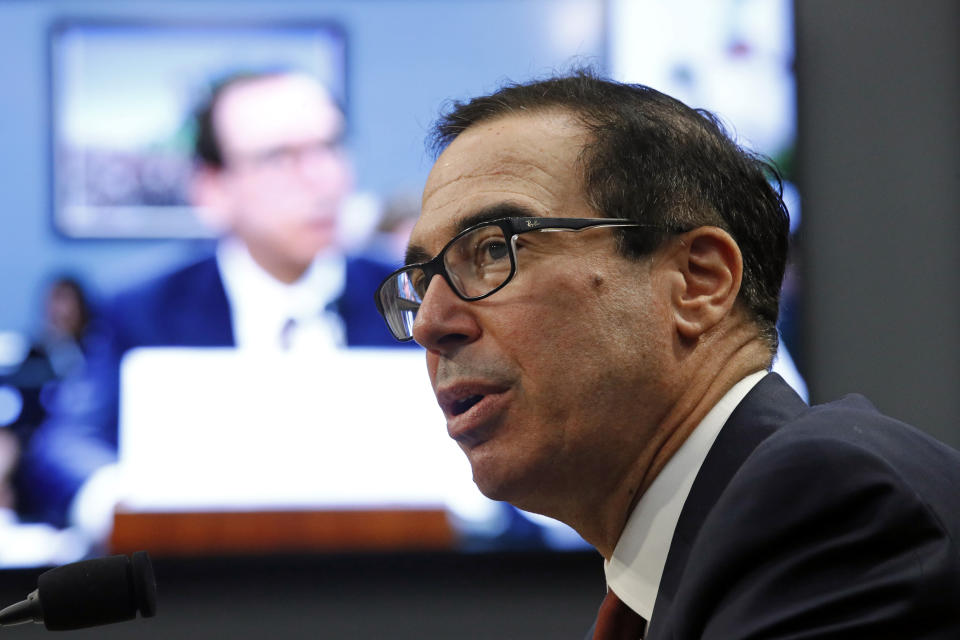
(476, 263)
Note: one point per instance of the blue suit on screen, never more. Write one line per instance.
(186, 308)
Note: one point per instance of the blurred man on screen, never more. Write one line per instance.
(271, 176)
(599, 340)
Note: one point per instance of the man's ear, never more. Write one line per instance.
(710, 269)
(210, 196)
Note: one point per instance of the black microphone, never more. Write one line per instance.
(89, 593)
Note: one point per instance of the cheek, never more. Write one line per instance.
(566, 316)
(589, 339)
(252, 208)
(552, 336)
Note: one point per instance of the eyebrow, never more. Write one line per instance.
(417, 254)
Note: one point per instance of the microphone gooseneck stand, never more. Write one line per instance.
(89, 593)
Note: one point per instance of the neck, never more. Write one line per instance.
(709, 372)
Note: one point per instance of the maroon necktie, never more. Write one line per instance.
(617, 621)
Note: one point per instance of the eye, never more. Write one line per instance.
(418, 285)
(492, 250)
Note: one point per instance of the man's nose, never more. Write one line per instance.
(444, 321)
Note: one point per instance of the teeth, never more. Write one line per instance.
(462, 406)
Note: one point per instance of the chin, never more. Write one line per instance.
(499, 478)
(309, 246)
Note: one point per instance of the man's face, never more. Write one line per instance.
(554, 379)
(285, 174)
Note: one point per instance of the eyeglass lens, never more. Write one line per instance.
(477, 263)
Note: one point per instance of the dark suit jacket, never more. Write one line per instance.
(831, 521)
(185, 308)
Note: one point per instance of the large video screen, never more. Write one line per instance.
(231, 450)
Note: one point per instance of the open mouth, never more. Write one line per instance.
(463, 405)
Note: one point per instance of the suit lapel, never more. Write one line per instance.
(200, 316)
(770, 404)
(217, 306)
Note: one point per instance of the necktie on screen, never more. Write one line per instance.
(286, 333)
(312, 334)
(617, 621)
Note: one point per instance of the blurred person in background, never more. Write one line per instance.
(55, 350)
(67, 314)
(271, 177)
(30, 372)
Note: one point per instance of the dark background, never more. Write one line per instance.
(879, 162)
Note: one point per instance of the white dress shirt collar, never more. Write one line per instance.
(261, 305)
(635, 569)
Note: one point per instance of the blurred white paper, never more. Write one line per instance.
(228, 429)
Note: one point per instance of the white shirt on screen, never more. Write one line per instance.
(269, 314)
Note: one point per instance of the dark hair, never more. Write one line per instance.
(206, 148)
(81, 297)
(653, 159)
